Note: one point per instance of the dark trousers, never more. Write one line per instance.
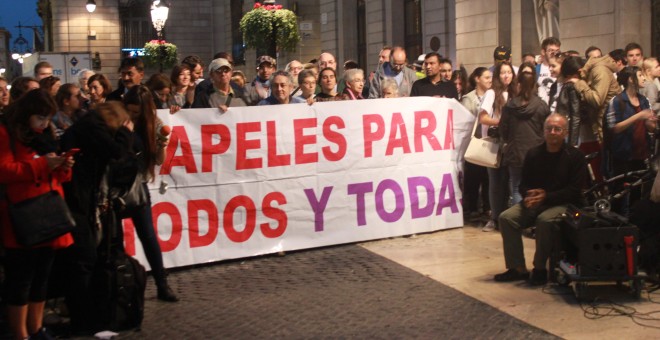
(476, 177)
(144, 227)
(80, 259)
(27, 271)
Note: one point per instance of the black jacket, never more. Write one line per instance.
(561, 174)
(97, 145)
(521, 128)
(568, 104)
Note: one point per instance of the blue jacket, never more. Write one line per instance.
(621, 144)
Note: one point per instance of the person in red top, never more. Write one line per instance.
(28, 163)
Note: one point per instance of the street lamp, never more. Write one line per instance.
(21, 49)
(159, 12)
(91, 6)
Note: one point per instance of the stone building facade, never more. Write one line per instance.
(466, 31)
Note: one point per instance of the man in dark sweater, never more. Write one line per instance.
(433, 85)
(553, 175)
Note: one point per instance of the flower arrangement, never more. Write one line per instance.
(157, 52)
(259, 25)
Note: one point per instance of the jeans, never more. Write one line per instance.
(515, 175)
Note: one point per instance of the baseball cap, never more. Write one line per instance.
(420, 60)
(502, 53)
(216, 64)
(266, 59)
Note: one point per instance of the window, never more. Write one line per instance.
(136, 27)
(413, 27)
(237, 47)
(362, 35)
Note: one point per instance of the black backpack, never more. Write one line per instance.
(118, 283)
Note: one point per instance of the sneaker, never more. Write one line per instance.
(539, 277)
(511, 275)
(490, 226)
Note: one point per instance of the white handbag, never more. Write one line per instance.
(483, 151)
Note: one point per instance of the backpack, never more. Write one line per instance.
(118, 283)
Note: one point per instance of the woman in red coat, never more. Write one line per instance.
(28, 163)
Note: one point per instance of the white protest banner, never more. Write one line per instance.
(264, 179)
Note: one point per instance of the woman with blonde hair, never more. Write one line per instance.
(651, 71)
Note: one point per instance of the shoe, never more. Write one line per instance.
(42, 334)
(490, 226)
(511, 275)
(539, 277)
(165, 293)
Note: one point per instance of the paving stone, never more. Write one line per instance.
(328, 293)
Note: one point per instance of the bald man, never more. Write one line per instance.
(396, 68)
(553, 175)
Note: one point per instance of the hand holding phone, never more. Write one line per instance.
(71, 152)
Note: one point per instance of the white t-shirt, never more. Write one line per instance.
(487, 105)
(544, 82)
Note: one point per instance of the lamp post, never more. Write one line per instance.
(272, 46)
(159, 12)
(21, 49)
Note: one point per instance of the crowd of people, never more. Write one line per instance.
(541, 112)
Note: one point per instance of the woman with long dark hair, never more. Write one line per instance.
(481, 80)
(628, 121)
(521, 128)
(29, 167)
(489, 118)
(102, 135)
(150, 146)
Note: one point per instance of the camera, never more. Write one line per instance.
(493, 132)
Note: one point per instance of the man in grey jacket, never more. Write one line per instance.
(395, 69)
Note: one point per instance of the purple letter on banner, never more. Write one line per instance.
(447, 183)
(360, 189)
(395, 215)
(416, 210)
(318, 206)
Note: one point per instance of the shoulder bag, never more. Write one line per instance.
(483, 151)
(40, 219)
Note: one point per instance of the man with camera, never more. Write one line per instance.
(553, 174)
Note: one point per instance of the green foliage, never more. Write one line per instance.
(259, 24)
(157, 51)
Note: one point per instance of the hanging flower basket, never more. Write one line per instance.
(160, 51)
(259, 25)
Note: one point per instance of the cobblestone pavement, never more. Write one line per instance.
(335, 292)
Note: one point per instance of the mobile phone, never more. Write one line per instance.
(71, 152)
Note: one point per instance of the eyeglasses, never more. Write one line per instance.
(223, 70)
(556, 129)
